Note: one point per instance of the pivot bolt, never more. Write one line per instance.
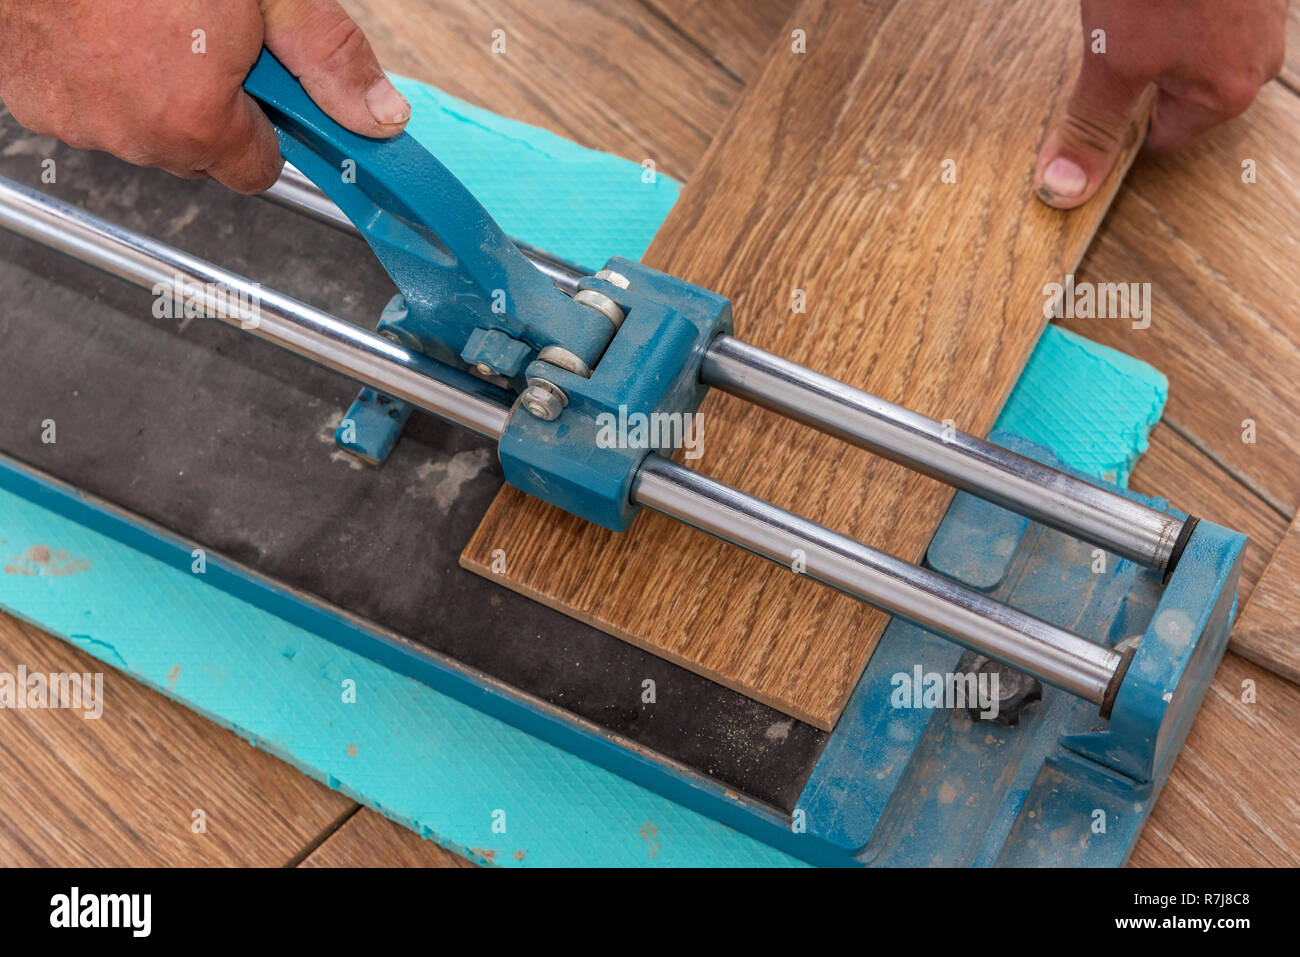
(614, 278)
(559, 356)
(543, 399)
(604, 305)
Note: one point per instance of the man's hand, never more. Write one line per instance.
(1207, 59)
(159, 82)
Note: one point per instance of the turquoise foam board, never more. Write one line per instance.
(418, 756)
(1092, 405)
(440, 767)
(582, 205)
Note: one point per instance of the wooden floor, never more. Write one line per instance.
(658, 79)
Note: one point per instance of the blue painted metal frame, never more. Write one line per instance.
(470, 299)
(897, 785)
(650, 369)
(374, 422)
(893, 785)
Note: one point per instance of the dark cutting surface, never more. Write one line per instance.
(228, 441)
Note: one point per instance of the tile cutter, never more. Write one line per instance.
(528, 351)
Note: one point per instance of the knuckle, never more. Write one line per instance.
(1233, 96)
(31, 120)
(139, 152)
(76, 137)
(340, 45)
(192, 118)
(1094, 133)
(32, 115)
(137, 157)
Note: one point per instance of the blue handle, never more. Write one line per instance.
(456, 268)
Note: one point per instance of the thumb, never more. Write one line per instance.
(1100, 122)
(322, 46)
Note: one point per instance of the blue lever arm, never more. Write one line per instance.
(456, 269)
(472, 299)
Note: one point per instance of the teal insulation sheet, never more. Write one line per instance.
(424, 759)
(580, 204)
(1094, 407)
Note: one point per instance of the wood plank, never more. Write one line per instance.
(735, 33)
(607, 74)
(1269, 630)
(828, 179)
(120, 790)
(368, 839)
(1221, 258)
(1233, 798)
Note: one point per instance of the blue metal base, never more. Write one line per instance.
(894, 785)
(905, 786)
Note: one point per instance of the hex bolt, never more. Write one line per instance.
(544, 400)
(484, 369)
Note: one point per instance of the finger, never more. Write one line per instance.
(322, 46)
(1177, 121)
(1180, 118)
(1100, 121)
(251, 161)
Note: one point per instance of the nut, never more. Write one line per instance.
(543, 399)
